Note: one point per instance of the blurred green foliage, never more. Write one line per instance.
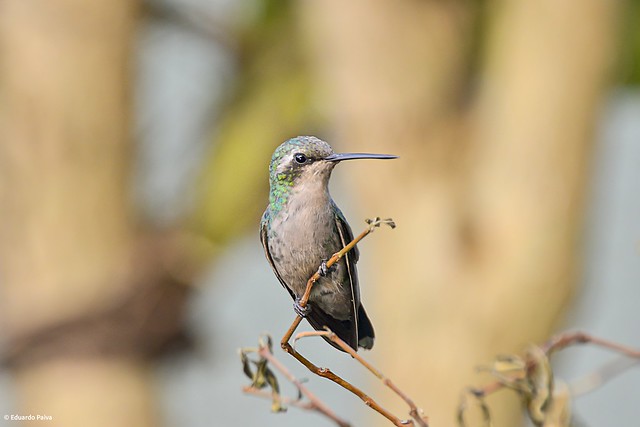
(629, 67)
(270, 103)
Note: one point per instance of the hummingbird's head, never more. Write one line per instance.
(308, 159)
(300, 158)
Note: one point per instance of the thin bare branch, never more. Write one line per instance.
(325, 372)
(328, 374)
(414, 411)
(566, 339)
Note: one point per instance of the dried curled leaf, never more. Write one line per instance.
(246, 364)
(540, 379)
(531, 376)
(472, 399)
(511, 371)
(262, 376)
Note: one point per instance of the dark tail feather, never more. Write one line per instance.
(342, 328)
(366, 335)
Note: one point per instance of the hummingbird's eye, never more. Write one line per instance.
(300, 158)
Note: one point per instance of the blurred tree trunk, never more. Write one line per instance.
(488, 192)
(66, 234)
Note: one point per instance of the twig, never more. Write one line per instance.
(414, 411)
(308, 406)
(566, 339)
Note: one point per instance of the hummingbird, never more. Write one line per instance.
(302, 227)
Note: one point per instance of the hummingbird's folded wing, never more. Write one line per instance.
(363, 333)
(351, 257)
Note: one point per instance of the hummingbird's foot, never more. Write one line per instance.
(300, 310)
(323, 269)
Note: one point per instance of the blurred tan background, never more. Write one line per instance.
(135, 138)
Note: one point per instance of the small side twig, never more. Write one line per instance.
(566, 339)
(415, 412)
(301, 404)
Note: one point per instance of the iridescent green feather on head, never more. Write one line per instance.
(283, 173)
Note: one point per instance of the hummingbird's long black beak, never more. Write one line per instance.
(338, 157)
